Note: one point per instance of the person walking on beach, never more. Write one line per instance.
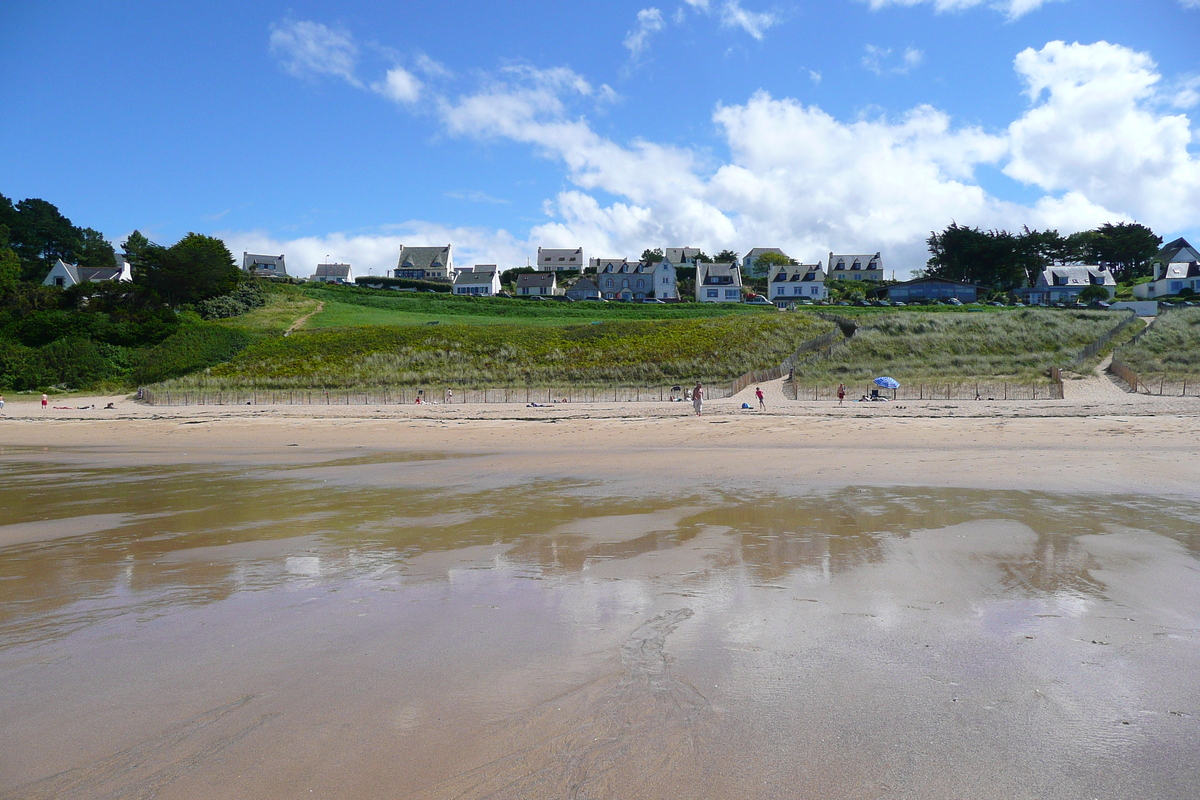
(762, 404)
(841, 393)
(45, 402)
(449, 395)
(698, 399)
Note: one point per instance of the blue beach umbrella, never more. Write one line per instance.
(887, 383)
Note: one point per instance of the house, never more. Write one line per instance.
(264, 266)
(680, 255)
(333, 273)
(718, 283)
(478, 282)
(787, 284)
(750, 261)
(537, 284)
(855, 268)
(584, 289)
(929, 289)
(617, 279)
(66, 275)
(1176, 267)
(1062, 284)
(425, 263)
(556, 260)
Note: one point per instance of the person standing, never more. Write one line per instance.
(762, 404)
(698, 398)
(1, 402)
(841, 393)
(449, 395)
(45, 402)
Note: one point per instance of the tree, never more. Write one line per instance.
(989, 258)
(10, 269)
(195, 268)
(727, 257)
(701, 258)
(762, 265)
(1126, 249)
(1090, 293)
(40, 236)
(652, 256)
(95, 250)
(509, 276)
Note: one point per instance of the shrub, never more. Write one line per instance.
(248, 296)
(193, 347)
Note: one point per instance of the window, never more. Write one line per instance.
(797, 290)
(712, 293)
(58, 281)
(731, 294)
(665, 279)
(1176, 286)
(813, 290)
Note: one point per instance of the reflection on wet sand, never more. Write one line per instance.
(853, 642)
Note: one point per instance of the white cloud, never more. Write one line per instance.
(1095, 140)
(307, 49)
(879, 60)
(1095, 128)
(754, 23)
(1012, 8)
(649, 21)
(1190, 3)
(399, 85)
(814, 76)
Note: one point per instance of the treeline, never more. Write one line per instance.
(1003, 260)
(111, 333)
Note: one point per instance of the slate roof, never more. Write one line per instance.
(335, 271)
(434, 258)
(537, 280)
(677, 255)
(1076, 276)
(584, 286)
(96, 273)
(1178, 250)
(714, 273)
(558, 257)
(843, 263)
(273, 264)
(475, 277)
(758, 251)
(797, 272)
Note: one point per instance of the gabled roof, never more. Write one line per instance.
(710, 274)
(272, 263)
(332, 271)
(97, 273)
(584, 285)
(434, 258)
(932, 279)
(758, 251)
(475, 277)
(537, 280)
(1178, 250)
(678, 254)
(796, 272)
(611, 264)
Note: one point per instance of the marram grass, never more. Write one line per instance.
(1169, 349)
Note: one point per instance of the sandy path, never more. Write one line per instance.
(300, 322)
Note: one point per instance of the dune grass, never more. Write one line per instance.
(1170, 348)
(629, 352)
(1020, 345)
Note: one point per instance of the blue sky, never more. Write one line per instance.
(345, 129)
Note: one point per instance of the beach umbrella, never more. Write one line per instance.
(887, 383)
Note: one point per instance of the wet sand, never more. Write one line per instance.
(241, 605)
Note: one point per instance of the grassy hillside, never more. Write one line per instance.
(615, 352)
(1170, 348)
(1016, 345)
(352, 306)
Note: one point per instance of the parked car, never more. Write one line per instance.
(952, 301)
(654, 300)
(757, 301)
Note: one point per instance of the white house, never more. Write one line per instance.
(559, 259)
(750, 260)
(664, 280)
(333, 273)
(538, 284)
(265, 266)
(1176, 267)
(477, 282)
(788, 284)
(855, 268)
(66, 275)
(1062, 284)
(425, 263)
(718, 283)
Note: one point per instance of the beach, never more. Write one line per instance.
(925, 600)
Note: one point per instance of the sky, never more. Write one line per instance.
(341, 130)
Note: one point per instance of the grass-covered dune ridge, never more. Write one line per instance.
(1019, 345)
(615, 352)
(1170, 348)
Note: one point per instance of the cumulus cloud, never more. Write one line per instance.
(310, 49)
(649, 21)
(1095, 128)
(1096, 140)
(1012, 8)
